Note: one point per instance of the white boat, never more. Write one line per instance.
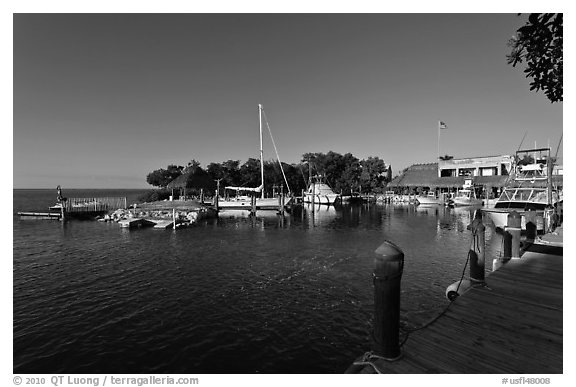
(319, 192)
(431, 199)
(243, 201)
(530, 189)
(466, 196)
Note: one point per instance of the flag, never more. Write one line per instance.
(442, 125)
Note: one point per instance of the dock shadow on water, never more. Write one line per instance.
(237, 294)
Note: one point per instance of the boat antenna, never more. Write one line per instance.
(558, 147)
(520, 146)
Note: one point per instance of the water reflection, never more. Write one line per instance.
(319, 214)
(265, 292)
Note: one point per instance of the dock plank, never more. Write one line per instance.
(513, 325)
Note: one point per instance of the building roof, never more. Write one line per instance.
(421, 175)
(197, 179)
(426, 175)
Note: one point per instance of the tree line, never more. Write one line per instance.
(344, 173)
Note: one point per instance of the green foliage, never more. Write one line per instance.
(344, 173)
(154, 195)
(250, 173)
(373, 175)
(540, 44)
(161, 177)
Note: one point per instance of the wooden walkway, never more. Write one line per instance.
(511, 326)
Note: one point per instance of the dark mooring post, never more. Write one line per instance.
(388, 267)
(531, 225)
(281, 201)
(514, 228)
(253, 204)
(216, 197)
(477, 250)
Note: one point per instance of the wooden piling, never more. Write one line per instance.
(511, 239)
(283, 202)
(388, 267)
(217, 194)
(280, 211)
(477, 250)
(313, 195)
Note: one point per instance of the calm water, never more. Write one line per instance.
(232, 295)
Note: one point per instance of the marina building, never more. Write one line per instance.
(476, 166)
(488, 173)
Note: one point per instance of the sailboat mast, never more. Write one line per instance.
(261, 150)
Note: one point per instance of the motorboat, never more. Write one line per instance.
(466, 196)
(530, 189)
(431, 199)
(319, 192)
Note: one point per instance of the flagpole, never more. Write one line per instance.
(438, 151)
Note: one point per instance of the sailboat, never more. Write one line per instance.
(243, 198)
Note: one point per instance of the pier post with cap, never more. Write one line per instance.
(511, 240)
(388, 268)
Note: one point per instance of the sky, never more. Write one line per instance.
(101, 100)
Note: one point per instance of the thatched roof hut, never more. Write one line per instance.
(197, 179)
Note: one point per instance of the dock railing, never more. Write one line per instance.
(74, 205)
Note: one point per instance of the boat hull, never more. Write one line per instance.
(321, 199)
(261, 204)
(320, 193)
(429, 201)
(458, 201)
(499, 216)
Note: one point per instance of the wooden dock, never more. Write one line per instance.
(40, 215)
(513, 325)
(91, 205)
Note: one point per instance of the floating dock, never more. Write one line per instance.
(513, 325)
(40, 215)
(135, 223)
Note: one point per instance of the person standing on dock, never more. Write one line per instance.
(60, 198)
